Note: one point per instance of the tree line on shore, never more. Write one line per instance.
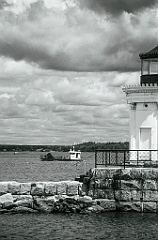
(84, 147)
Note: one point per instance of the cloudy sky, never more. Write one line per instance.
(62, 65)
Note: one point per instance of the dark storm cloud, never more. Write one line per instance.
(118, 6)
(30, 51)
(75, 39)
(3, 4)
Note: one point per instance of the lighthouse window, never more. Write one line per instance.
(149, 67)
(145, 67)
(154, 68)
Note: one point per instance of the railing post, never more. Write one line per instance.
(95, 158)
(102, 158)
(124, 159)
(150, 157)
(116, 157)
(108, 162)
(137, 157)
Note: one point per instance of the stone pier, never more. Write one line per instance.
(104, 189)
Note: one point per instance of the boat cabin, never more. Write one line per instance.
(75, 155)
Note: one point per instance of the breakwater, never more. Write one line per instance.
(104, 189)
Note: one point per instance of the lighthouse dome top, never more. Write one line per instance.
(152, 54)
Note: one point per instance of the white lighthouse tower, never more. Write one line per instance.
(143, 101)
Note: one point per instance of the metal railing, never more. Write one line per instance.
(126, 158)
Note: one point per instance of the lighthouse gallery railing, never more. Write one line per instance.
(126, 158)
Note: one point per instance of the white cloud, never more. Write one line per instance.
(62, 68)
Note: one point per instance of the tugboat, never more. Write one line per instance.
(73, 156)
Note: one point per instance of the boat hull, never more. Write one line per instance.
(58, 158)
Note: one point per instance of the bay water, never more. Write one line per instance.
(27, 167)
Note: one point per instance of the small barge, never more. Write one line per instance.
(73, 156)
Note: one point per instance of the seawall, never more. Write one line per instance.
(131, 189)
(104, 189)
